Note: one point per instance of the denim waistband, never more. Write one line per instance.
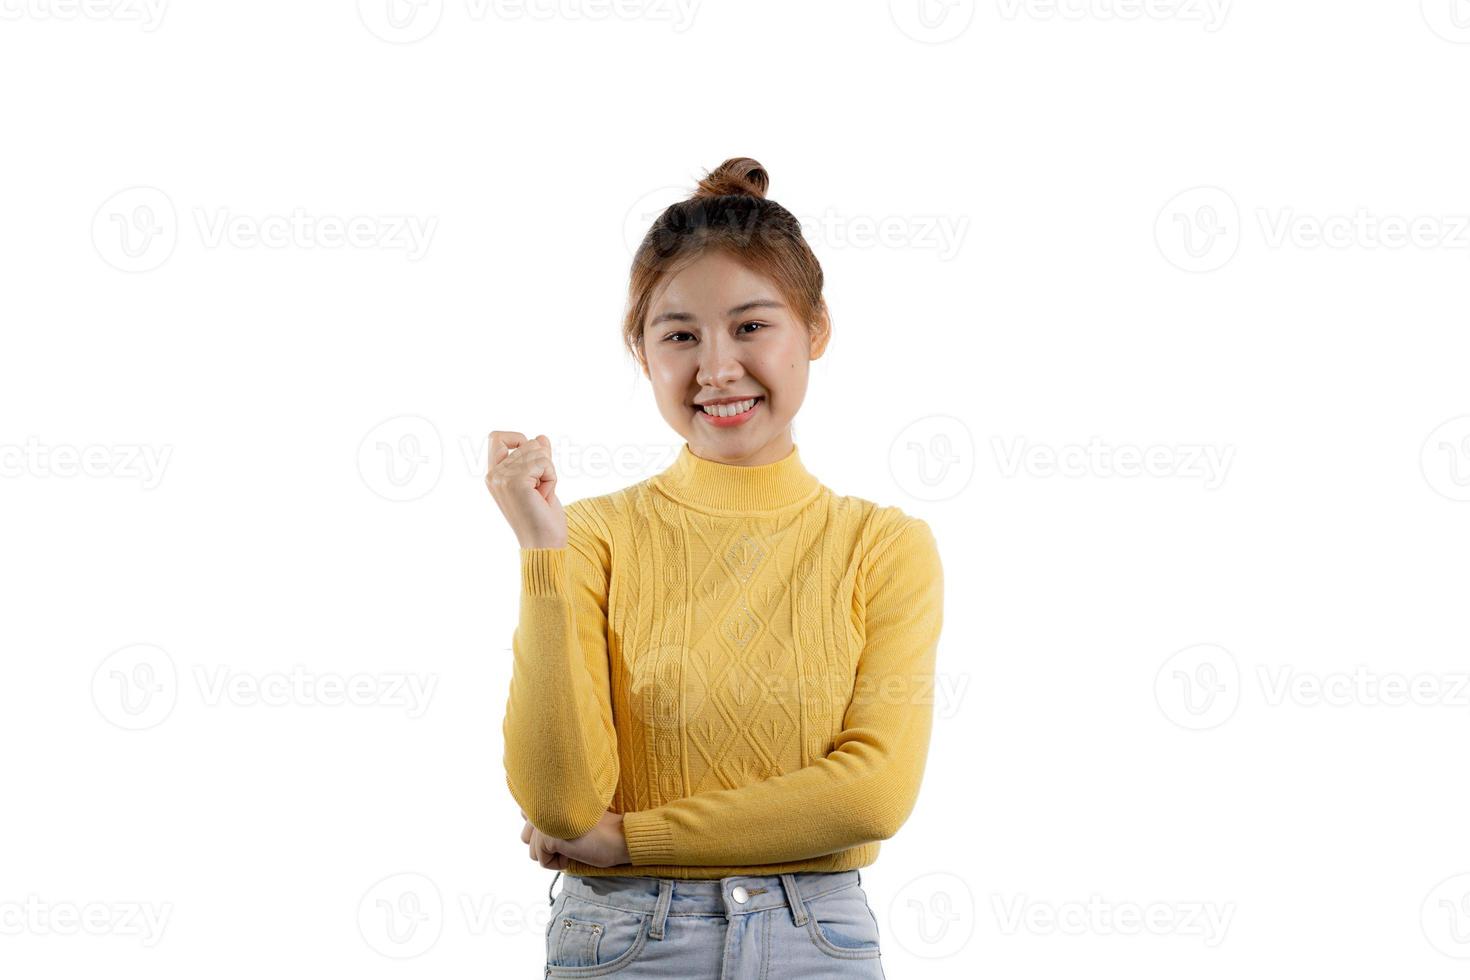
(735, 895)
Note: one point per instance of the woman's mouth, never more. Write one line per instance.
(732, 413)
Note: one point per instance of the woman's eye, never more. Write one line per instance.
(677, 334)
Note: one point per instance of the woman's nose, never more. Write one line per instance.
(719, 375)
(718, 368)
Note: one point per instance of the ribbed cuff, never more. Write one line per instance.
(650, 840)
(544, 571)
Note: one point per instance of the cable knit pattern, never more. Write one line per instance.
(735, 658)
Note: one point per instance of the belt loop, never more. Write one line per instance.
(793, 899)
(661, 909)
(550, 898)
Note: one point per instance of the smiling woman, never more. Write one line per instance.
(721, 690)
(725, 307)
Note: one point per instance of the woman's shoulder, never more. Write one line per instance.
(602, 512)
(876, 520)
(876, 526)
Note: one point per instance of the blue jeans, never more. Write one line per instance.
(808, 925)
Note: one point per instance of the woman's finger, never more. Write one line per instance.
(548, 852)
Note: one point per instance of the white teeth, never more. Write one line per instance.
(734, 408)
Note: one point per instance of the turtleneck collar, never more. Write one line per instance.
(710, 485)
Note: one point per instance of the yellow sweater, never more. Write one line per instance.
(735, 658)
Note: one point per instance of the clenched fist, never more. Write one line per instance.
(522, 480)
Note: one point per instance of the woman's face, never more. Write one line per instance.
(717, 331)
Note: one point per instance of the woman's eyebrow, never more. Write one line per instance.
(733, 311)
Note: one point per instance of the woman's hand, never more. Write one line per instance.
(522, 480)
(601, 847)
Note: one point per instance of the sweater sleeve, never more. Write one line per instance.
(561, 748)
(867, 786)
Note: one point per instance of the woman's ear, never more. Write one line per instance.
(821, 331)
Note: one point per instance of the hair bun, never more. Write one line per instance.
(737, 175)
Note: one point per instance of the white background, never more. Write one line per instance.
(1230, 231)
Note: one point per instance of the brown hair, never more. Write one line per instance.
(729, 212)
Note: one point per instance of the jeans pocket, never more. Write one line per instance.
(842, 925)
(586, 939)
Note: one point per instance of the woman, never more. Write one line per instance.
(721, 696)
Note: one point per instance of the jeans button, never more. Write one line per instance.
(740, 894)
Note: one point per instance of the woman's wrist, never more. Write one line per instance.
(620, 842)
